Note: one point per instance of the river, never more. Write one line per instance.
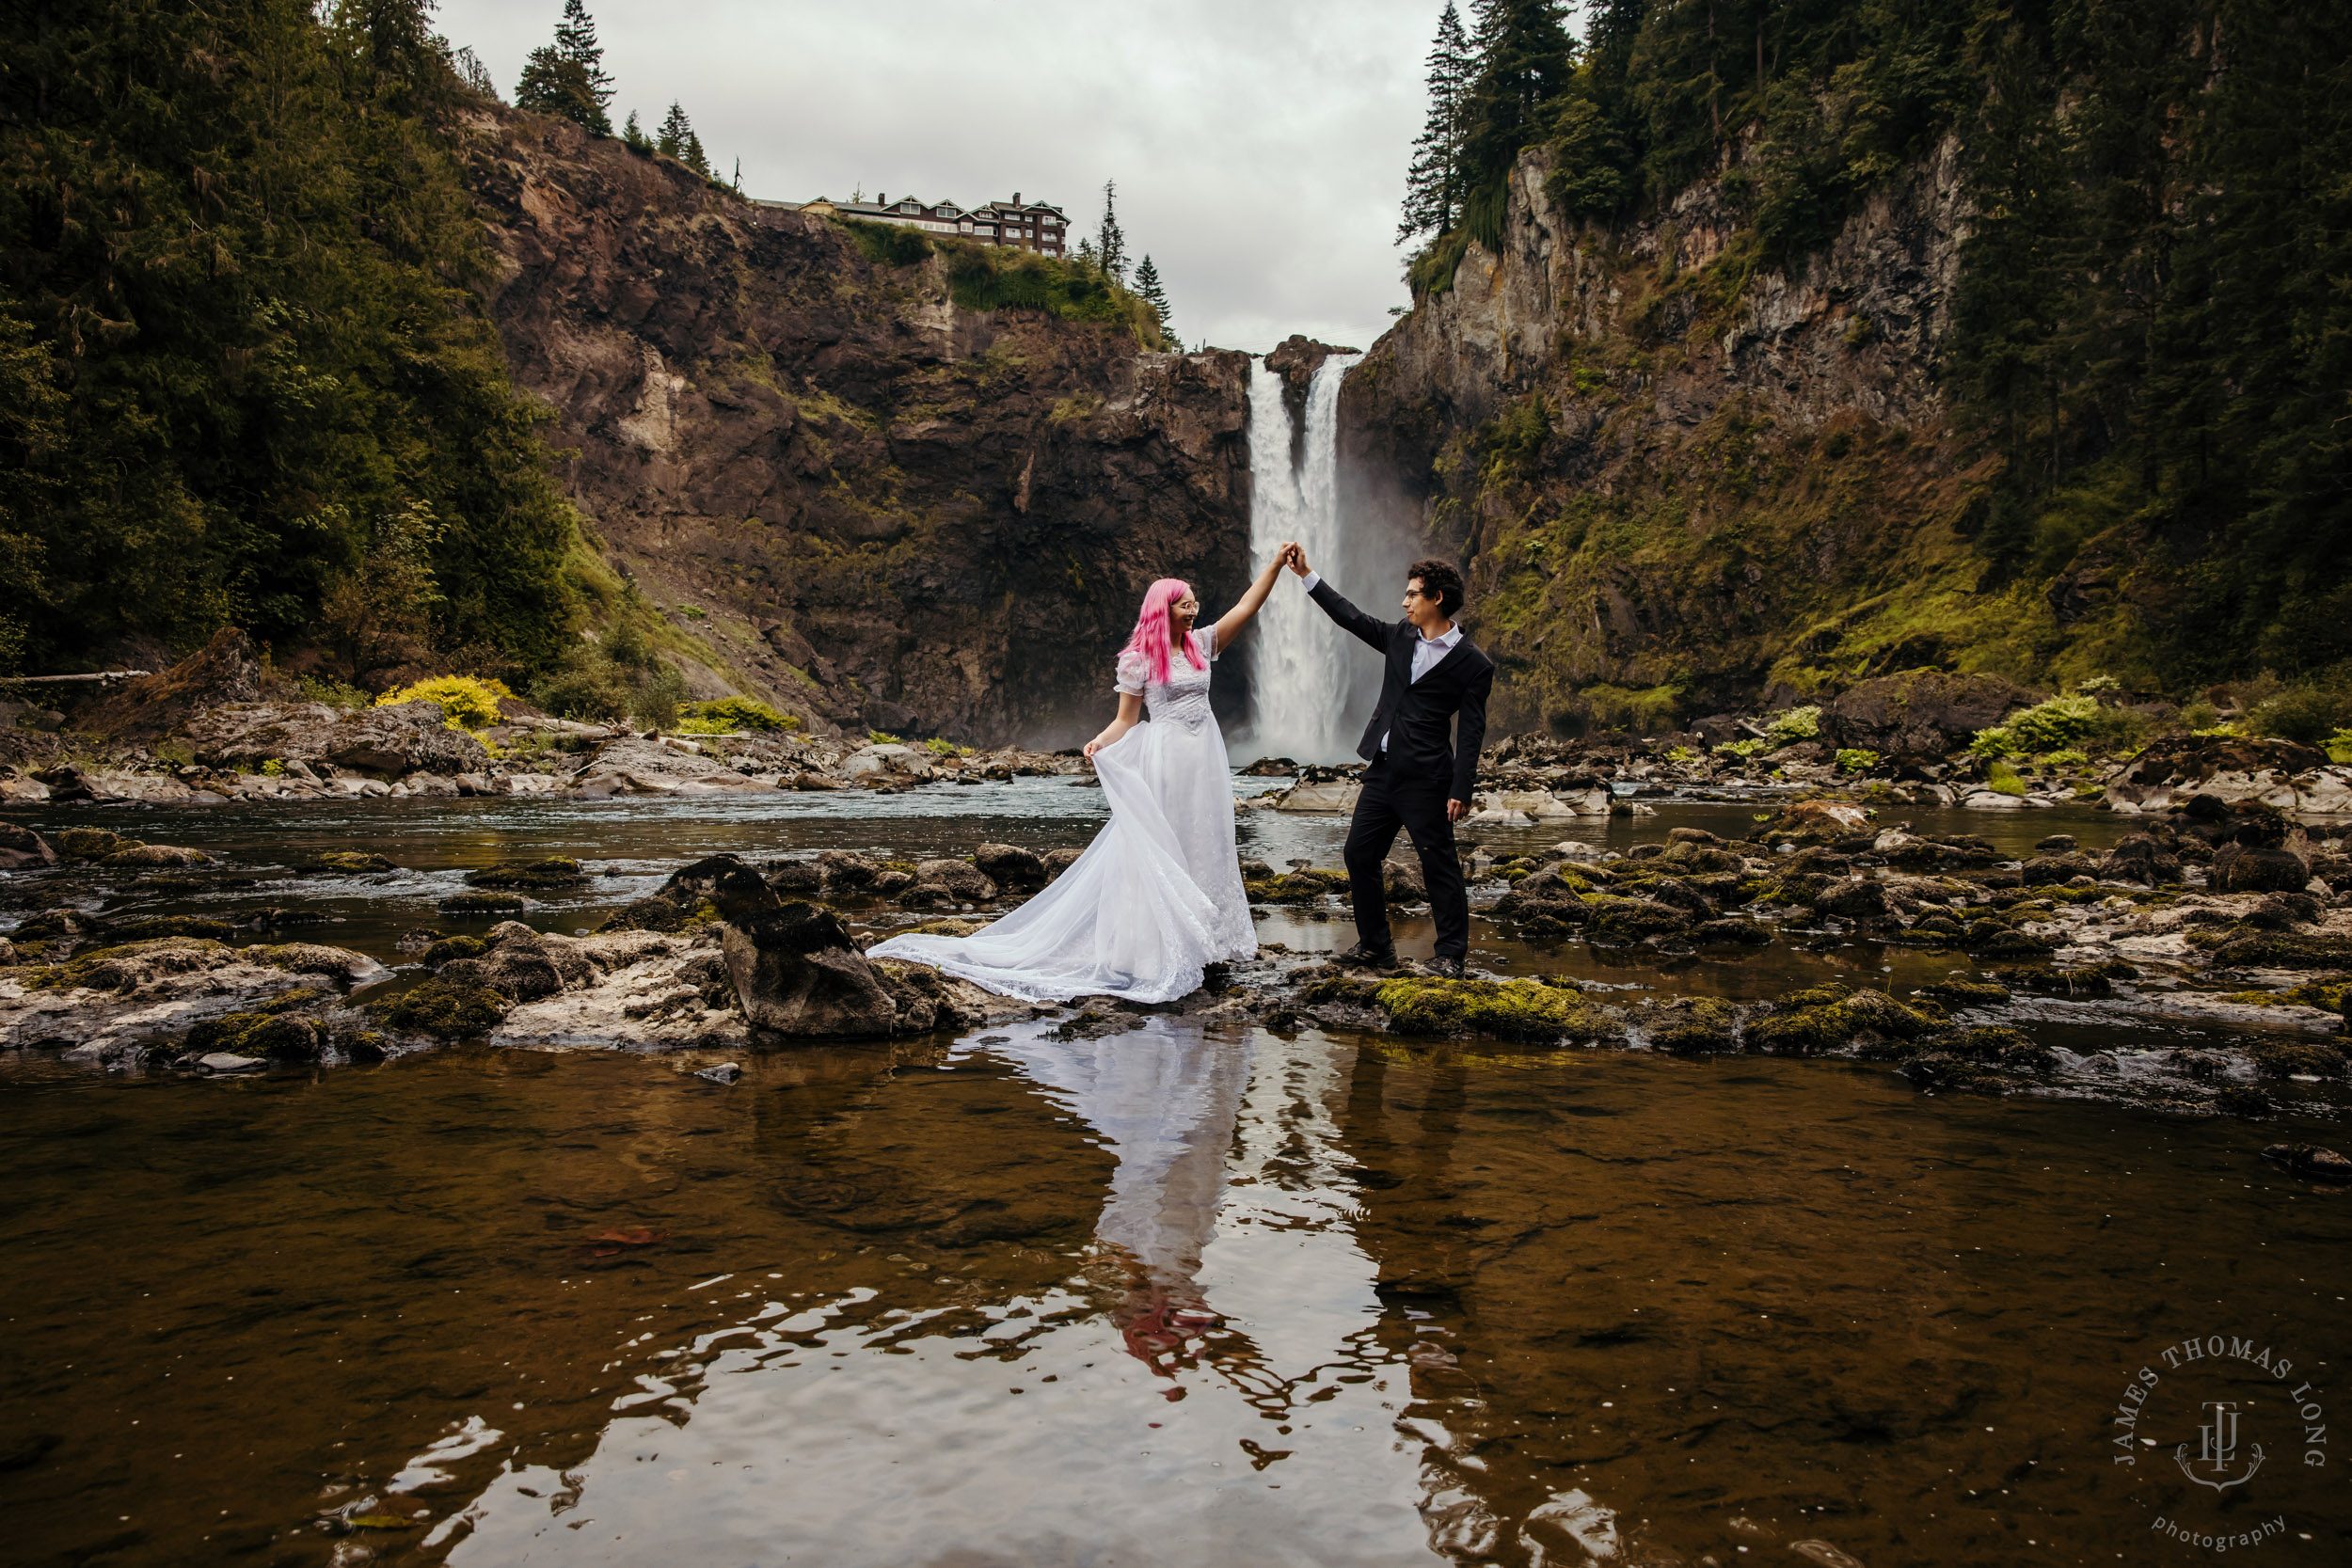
(1186, 1294)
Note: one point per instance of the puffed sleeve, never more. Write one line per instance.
(1130, 672)
(1205, 639)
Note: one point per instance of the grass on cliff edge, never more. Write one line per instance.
(994, 278)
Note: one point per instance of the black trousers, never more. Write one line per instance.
(1416, 805)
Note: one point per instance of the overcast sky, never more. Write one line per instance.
(1259, 145)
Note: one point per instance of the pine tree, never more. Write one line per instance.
(634, 134)
(1433, 183)
(576, 40)
(1147, 288)
(676, 138)
(1110, 245)
(566, 78)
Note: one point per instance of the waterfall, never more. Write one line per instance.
(1306, 668)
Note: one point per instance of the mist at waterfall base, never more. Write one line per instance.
(1313, 687)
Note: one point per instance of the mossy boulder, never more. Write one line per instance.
(450, 948)
(1696, 1026)
(170, 925)
(1526, 1011)
(132, 964)
(343, 862)
(1632, 919)
(132, 857)
(484, 903)
(1959, 992)
(1934, 1069)
(1297, 887)
(554, 873)
(2289, 1058)
(2283, 950)
(279, 1036)
(446, 1010)
(91, 843)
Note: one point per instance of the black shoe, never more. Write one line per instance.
(1446, 969)
(1360, 956)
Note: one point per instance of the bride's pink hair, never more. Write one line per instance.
(1151, 639)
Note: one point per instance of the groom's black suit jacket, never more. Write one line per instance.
(1417, 715)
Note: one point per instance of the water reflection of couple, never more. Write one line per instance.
(1157, 896)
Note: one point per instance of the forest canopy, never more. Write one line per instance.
(243, 378)
(2153, 325)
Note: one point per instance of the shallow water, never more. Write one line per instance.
(628, 845)
(1174, 1296)
(1179, 1295)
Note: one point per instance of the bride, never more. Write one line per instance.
(1157, 896)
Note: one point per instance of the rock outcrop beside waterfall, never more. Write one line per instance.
(883, 510)
(1675, 473)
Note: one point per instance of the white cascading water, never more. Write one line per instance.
(1305, 666)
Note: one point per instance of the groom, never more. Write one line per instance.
(1418, 781)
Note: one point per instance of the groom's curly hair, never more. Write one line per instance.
(1439, 581)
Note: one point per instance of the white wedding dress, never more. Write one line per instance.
(1157, 898)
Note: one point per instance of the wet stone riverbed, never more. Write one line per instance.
(1188, 1294)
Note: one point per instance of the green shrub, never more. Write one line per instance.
(1798, 723)
(1856, 759)
(2072, 757)
(888, 245)
(333, 693)
(620, 677)
(2306, 714)
(728, 714)
(1740, 749)
(2057, 725)
(2002, 779)
(940, 748)
(882, 738)
(2098, 684)
(468, 703)
(2340, 746)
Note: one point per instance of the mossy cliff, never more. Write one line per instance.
(2020, 401)
(882, 506)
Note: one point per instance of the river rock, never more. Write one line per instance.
(1923, 714)
(222, 1061)
(726, 1072)
(1058, 860)
(118, 1004)
(388, 742)
(1817, 822)
(866, 762)
(1333, 795)
(153, 856)
(524, 965)
(647, 990)
(22, 792)
(847, 871)
(797, 974)
(2307, 1160)
(21, 847)
(962, 879)
(1016, 869)
(2239, 868)
(2140, 857)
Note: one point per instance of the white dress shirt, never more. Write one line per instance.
(1426, 652)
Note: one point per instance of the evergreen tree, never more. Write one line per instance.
(1147, 288)
(255, 375)
(576, 40)
(566, 78)
(1110, 241)
(1524, 54)
(634, 134)
(677, 137)
(1433, 189)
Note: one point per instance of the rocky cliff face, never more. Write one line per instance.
(881, 510)
(1679, 477)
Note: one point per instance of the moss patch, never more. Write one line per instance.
(557, 872)
(448, 1010)
(1528, 1012)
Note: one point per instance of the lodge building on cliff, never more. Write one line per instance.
(1030, 226)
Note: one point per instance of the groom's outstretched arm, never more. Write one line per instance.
(1335, 605)
(1470, 736)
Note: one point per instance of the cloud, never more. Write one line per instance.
(1260, 148)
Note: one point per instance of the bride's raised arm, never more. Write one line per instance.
(1231, 623)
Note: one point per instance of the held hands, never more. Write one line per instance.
(1294, 556)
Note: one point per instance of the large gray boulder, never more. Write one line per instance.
(796, 972)
(1923, 713)
(406, 738)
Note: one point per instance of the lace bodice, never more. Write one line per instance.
(1184, 699)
